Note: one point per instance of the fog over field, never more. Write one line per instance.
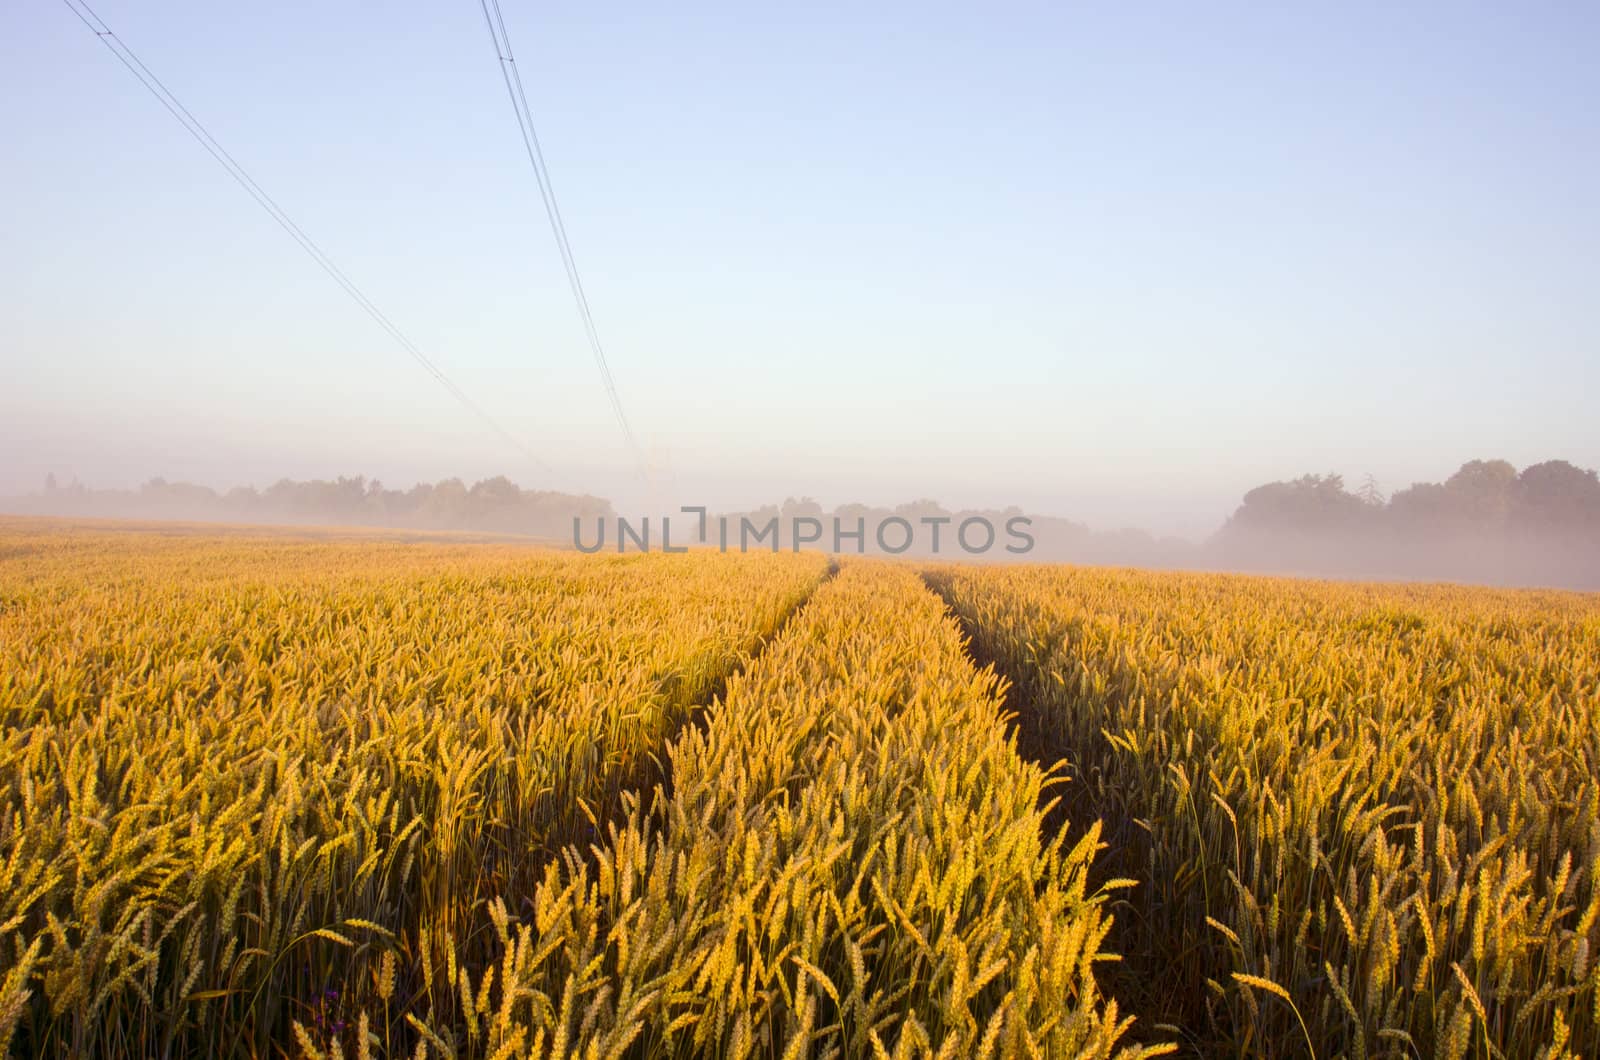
(1486, 523)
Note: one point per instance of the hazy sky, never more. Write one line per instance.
(1118, 262)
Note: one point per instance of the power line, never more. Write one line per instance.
(530, 140)
(204, 138)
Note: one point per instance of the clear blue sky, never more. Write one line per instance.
(1117, 262)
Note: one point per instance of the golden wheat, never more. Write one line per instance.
(1374, 804)
(266, 793)
(850, 860)
(236, 774)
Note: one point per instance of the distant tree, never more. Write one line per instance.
(184, 497)
(418, 495)
(350, 493)
(1308, 503)
(798, 509)
(1478, 498)
(1480, 492)
(919, 507)
(497, 490)
(447, 502)
(50, 482)
(1422, 505)
(280, 495)
(1369, 492)
(1555, 493)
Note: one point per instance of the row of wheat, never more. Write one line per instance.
(234, 773)
(1363, 819)
(848, 860)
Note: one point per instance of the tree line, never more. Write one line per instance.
(1484, 496)
(1488, 522)
(495, 505)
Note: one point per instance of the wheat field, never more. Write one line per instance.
(1362, 819)
(292, 794)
